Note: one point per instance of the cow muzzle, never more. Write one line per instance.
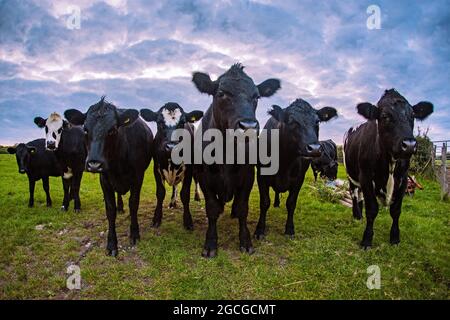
(248, 124)
(409, 146)
(313, 150)
(51, 145)
(95, 166)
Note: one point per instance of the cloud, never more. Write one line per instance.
(142, 54)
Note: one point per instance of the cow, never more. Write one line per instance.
(234, 101)
(326, 165)
(298, 126)
(37, 163)
(67, 142)
(377, 155)
(168, 118)
(119, 149)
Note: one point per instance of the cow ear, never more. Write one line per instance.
(75, 116)
(11, 150)
(422, 110)
(268, 87)
(66, 124)
(326, 113)
(278, 113)
(31, 150)
(368, 110)
(149, 115)
(40, 122)
(204, 83)
(194, 115)
(128, 117)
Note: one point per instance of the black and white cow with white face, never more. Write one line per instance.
(168, 118)
(377, 155)
(67, 142)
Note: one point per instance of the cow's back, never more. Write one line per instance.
(135, 145)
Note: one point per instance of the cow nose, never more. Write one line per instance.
(313, 150)
(94, 166)
(169, 146)
(21, 170)
(248, 124)
(51, 145)
(409, 146)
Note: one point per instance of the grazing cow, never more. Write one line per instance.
(298, 126)
(119, 148)
(171, 116)
(326, 165)
(67, 142)
(234, 101)
(37, 163)
(376, 157)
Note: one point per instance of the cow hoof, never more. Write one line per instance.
(366, 246)
(189, 227)
(30, 205)
(63, 208)
(134, 240)
(156, 224)
(249, 250)
(290, 236)
(49, 205)
(395, 242)
(112, 253)
(77, 210)
(197, 198)
(260, 236)
(209, 253)
(120, 211)
(173, 205)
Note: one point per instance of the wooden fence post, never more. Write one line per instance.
(444, 177)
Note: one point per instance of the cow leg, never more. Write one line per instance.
(315, 175)
(197, 192)
(356, 203)
(31, 185)
(120, 204)
(133, 204)
(371, 205)
(46, 186)
(160, 194)
(213, 210)
(264, 204)
(395, 211)
(75, 191)
(185, 198)
(276, 202)
(110, 205)
(173, 199)
(291, 203)
(66, 199)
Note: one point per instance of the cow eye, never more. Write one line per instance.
(46, 129)
(59, 130)
(221, 94)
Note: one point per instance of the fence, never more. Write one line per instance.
(441, 165)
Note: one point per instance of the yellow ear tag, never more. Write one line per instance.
(126, 121)
(193, 119)
(32, 151)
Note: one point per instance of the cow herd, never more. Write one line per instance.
(118, 145)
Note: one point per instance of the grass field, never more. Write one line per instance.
(324, 260)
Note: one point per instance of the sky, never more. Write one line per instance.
(141, 54)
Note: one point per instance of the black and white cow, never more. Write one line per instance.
(119, 148)
(376, 157)
(327, 164)
(298, 126)
(67, 142)
(37, 163)
(234, 101)
(170, 117)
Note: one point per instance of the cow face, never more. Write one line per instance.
(23, 154)
(395, 119)
(235, 97)
(299, 126)
(169, 117)
(54, 126)
(101, 125)
(330, 170)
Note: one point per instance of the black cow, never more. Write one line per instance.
(298, 126)
(235, 98)
(376, 156)
(119, 148)
(171, 116)
(326, 165)
(37, 163)
(68, 144)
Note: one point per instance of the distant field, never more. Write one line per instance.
(324, 261)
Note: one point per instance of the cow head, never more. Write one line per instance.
(299, 126)
(23, 156)
(395, 121)
(54, 126)
(169, 117)
(330, 170)
(235, 97)
(101, 124)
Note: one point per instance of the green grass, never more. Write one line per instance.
(324, 260)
